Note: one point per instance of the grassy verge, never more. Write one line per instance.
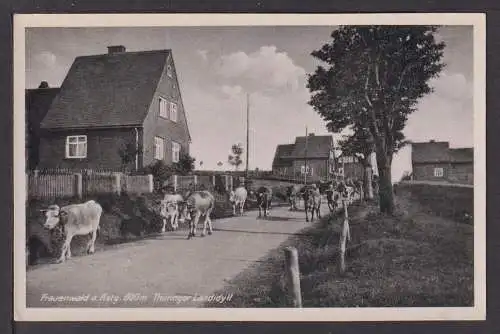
(410, 259)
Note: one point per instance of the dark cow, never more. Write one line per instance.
(312, 201)
(332, 196)
(264, 199)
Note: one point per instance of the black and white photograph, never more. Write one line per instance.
(249, 167)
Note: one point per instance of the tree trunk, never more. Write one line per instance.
(386, 195)
(368, 182)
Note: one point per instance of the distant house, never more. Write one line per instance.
(313, 155)
(37, 105)
(115, 111)
(436, 161)
(350, 167)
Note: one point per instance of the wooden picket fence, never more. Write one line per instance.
(65, 183)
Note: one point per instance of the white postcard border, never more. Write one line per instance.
(478, 312)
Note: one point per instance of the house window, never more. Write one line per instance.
(173, 112)
(341, 171)
(169, 71)
(176, 151)
(159, 148)
(304, 169)
(163, 108)
(438, 172)
(76, 147)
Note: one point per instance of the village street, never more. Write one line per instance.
(164, 271)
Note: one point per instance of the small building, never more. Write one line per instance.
(313, 155)
(118, 110)
(349, 167)
(436, 161)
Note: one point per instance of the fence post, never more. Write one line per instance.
(150, 183)
(195, 180)
(175, 183)
(213, 180)
(344, 237)
(231, 182)
(293, 275)
(117, 183)
(78, 185)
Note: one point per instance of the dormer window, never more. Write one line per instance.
(169, 71)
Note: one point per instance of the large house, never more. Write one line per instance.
(436, 161)
(120, 110)
(313, 155)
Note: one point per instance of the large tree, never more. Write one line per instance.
(374, 77)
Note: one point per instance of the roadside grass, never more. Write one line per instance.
(409, 259)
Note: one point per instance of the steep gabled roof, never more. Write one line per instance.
(461, 154)
(282, 153)
(430, 152)
(107, 90)
(317, 146)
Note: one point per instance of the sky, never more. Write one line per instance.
(218, 66)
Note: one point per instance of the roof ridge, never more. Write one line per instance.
(125, 53)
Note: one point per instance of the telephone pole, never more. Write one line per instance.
(305, 162)
(248, 135)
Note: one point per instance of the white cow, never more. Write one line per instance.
(75, 219)
(238, 198)
(169, 209)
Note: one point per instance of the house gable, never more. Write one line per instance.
(317, 147)
(163, 127)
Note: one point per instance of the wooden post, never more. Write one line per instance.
(175, 182)
(78, 185)
(344, 237)
(195, 180)
(293, 275)
(117, 187)
(213, 180)
(150, 183)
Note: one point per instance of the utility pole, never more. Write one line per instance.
(305, 162)
(248, 136)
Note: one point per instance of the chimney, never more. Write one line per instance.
(311, 134)
(44, 84)
(116, 49)
(432, 141)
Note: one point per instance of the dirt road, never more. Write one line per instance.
(168, 271)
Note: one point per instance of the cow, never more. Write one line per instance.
(75, 219)
(170, 207)
(312, 201)
(293, 193)
(264, 199)
(197, 204)
(238, 198)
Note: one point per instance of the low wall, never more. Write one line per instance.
(448, 200)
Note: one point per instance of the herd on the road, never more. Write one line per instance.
(84, 218)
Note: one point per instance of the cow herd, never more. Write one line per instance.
(84, 218)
